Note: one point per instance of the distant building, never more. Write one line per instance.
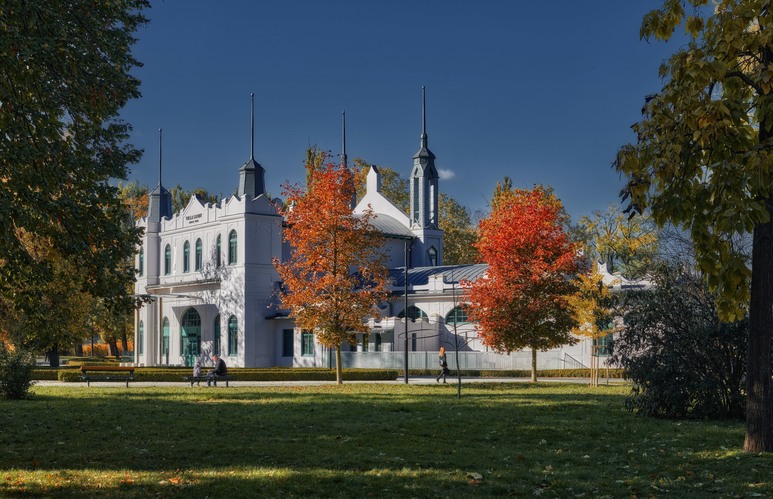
(209, 269)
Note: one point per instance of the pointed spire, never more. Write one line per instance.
(160, 149)
(424, 151)
(343, 138)
(423, 117)
(160, 202)
(252, 126)
(251, 182)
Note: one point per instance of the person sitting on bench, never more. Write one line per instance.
(219, 370)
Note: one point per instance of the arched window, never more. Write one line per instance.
(218, 253)
(458, 315)
(140, 338)
(233, 336)
(167, 260)
(198, 255)
(432, 255)
(216, 345)
(232, 248)
(165, 338)
(142, 261)
(187, 257)
(190, 336)
(414, 313)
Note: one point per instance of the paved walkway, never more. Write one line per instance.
(414, 380)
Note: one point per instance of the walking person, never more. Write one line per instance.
(443, 361)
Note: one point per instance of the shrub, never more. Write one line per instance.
(15, 373)
(683, 362)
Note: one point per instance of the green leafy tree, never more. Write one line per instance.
(629, 245)
(703, 160)
(65, 73)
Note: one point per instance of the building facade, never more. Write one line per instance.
(209, 272)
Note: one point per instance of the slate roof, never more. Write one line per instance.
(390, 226)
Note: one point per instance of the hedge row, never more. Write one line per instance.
(252, 374)
(316, 374)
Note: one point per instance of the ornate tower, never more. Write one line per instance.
(424, 200)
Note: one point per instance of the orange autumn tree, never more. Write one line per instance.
(522, 302)
(336, 271)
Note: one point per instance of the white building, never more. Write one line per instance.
(209, 270)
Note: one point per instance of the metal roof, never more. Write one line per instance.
(390, 226)
(419, 276)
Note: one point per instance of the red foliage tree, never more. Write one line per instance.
(522, 300)
(336, 272)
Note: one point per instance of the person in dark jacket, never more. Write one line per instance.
(219, 370)
(443, 361)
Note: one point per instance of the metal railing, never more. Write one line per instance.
(467, 360)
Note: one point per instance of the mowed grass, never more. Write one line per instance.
(364, 440)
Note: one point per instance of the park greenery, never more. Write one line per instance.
(513, 439)
(702, 161)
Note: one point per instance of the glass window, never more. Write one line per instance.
(377, 343)
(140, 338)
(198, 255)
(187, 257)
(288, 338)
(218, 252)
(413, 342)
(165, 337)
(167, 260)
(233, 336)
(232, 248)
(432, 255)
(458, 315)
(365, 341)
(414, 313)
(216, 345)
(307, 343)
(142, 261)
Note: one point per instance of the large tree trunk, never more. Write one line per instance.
(533, 365)
(339, 371)
(78, 349)
(759, 403)
(53, 357)
(124, 342)
(112, 345)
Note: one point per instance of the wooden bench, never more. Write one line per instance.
(205, 378)
(107, 373)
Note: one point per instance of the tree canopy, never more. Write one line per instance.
(523, 299)
(703, 160)
(335, 275)
(65, 72)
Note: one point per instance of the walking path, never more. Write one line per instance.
(413, 380)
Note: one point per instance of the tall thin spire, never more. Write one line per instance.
(423, 117)
(252, 126)
(251, 183)
(160, 149)
(343, 138)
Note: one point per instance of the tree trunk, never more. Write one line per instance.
(533, 365)
(113, 346)
(78, 349)
(53, 357)
(124, 342)
(339, 371)
(759, 403)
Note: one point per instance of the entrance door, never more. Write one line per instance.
(190, 336)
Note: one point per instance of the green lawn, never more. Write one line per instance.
(364, 440)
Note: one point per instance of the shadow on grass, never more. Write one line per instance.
(566, 438)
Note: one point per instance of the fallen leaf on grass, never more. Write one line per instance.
(474, 478)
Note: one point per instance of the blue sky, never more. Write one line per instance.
(542, 92)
